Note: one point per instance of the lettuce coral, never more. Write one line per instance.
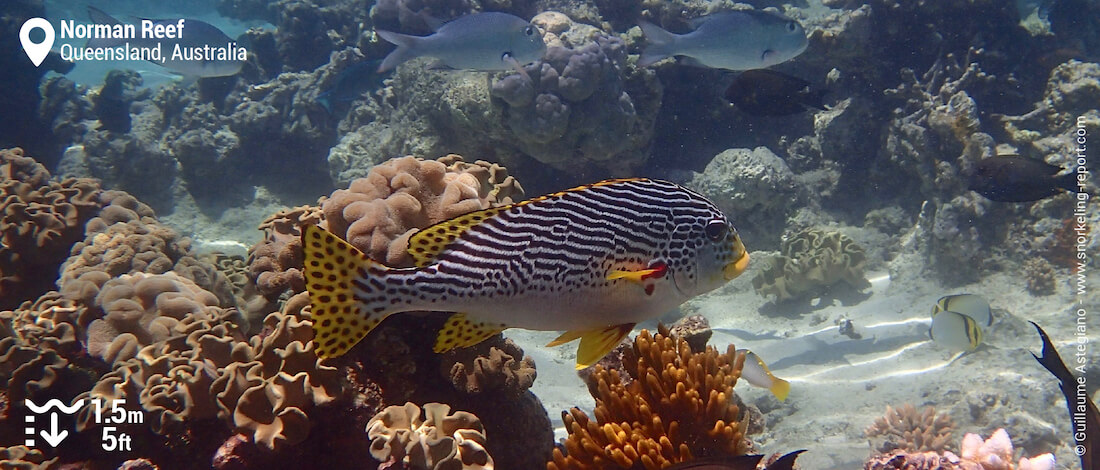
(811, 260)
(496, 365)
(39, 219)
(680, 406)
(440, 440)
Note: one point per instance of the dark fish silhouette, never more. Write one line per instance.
(1012, 178)
(352, 82)
(1084, 418)
(741, 462)
(763, 92)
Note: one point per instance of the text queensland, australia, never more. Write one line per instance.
(160, 41)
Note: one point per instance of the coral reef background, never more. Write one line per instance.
(131, 266)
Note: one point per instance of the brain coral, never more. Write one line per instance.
(380, 212)
(678, 408)
(810, 260)
(907, 429)
(39, 220)
(438, 440)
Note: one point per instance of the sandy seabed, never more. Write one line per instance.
(840, 384)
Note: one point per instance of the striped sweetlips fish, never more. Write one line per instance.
(593, 260)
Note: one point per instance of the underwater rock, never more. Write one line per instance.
(23, 457)
(112, 102)
(41, 217)
(809, 261)
(684, 409)
(905, 428)
(755, 187)
(429, 439)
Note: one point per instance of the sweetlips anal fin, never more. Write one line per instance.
(460, 332)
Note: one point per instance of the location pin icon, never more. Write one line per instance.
(36, 52)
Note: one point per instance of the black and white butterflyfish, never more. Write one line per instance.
(592, 261)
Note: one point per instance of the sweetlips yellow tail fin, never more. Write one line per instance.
(595, 344)
(780, 388)
(341, 315)
(460, 332)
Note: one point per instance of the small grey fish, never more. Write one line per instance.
(195, 35)
(479, 41)
(733, 40)
(352, 83)
(764, 92)
(1012, 178)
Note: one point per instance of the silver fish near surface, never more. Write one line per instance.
(479, 41)
(733, 40)
(200, 46)
(593, 260)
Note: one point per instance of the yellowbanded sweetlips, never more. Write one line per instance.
(593, 261)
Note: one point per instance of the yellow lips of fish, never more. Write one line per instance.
(734, 269)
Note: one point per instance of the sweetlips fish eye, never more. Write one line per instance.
(529, 30)
(716, 230)
(792, 26)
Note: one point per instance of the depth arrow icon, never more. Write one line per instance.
(54, 436)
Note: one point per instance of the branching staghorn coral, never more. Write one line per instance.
(679, 407)
(910, 430)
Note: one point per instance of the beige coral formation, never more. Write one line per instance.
(907, 429)
(679, 407)
(264, 387)
(434, 439)
(493, 366)
(39, 219)
(378, 213)
(810, 260)
(995, 453)
(25, 458)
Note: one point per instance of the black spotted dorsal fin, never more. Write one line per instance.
(426, 244)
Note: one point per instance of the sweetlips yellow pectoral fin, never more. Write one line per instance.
(460, 332)
(595, 344)
(638, 276)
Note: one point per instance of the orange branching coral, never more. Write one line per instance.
(679, 407)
